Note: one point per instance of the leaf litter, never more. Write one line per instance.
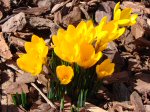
(126, 91)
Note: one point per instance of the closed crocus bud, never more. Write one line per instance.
(106, 68)
(64, 74)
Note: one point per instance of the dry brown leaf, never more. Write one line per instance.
(17, 88)
(15, 23)
(42, 79)
(138, 30)
(34, 11)
(4, 49)
(73, 17)
(6, 4)
(104, 10)
(17, 41)
(57, 17)
(1, 15)
(40, 23)
(92, 108)
(120, 106)
(25, 78)
(58, 6)
(137, 7)
(44, 3)
(136, 101)
(23, 35)
(99, 15)
(40, 106)
(143, 83)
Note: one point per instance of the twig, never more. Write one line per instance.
(47, 100)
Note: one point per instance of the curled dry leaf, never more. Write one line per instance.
(15, 23)
(4, 49)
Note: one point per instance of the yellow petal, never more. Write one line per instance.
(35, 38)
(117, 14)
(121, 31)
(102, 22)
(117, 6)
(30, 63)
(124, 22)
(111, 27)
(64, 74)
(87, 56)
(125, 14)
(133, 19)
(102, 47)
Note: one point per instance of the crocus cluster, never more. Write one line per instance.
(75, 63)
(81, 45)
(84, 44)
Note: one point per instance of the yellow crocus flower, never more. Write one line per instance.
(124, 17)
(38, 46)
(35, 57)
(67, 42)
(30, 63)
(65, 45)
(106, 68)
(107, 32)
(87, 56)
(64, 74)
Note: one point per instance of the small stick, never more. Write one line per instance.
(47, 100)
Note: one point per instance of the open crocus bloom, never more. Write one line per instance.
(124, 17)
(64, 74)
(106, 68)
(67, 43)
(35, 57)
